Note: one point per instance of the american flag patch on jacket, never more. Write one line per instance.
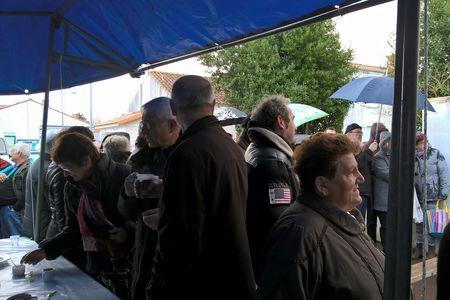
(280, 196)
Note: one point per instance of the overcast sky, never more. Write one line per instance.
(367, 32)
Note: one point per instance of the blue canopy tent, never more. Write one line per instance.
(47, 45)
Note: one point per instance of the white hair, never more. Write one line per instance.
(23, 149)
(159, 108)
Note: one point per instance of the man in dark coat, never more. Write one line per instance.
(272, 182)
(161, 130)
(364, 159)
(203, 250)
(318, 248)
(30, 212)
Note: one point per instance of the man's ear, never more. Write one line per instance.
(320, 184)
(280, 122)
(173, 108)
(173, 125)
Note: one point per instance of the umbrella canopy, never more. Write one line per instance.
(304, 113)
(229, 115)
(95, 39)
(374, 89)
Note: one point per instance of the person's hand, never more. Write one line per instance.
(2, 177)
(129, 184)
(33, 257)
(373, 147)
(148, 188)
(151, 218)
(118, 234)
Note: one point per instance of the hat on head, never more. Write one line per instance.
(351, 127)
(385, 137)
(419, 137)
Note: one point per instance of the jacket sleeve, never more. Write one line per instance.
(57, 184)
(380, 168)
(293, 269)
(128, 206)
(182, 216)
(68, 238)
(19, 187)
(443, 176)
(268, 175)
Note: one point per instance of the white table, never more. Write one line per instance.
(69, 281)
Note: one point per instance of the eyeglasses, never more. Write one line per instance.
(356, 132)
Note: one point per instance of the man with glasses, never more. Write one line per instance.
(364, 159)
(139, 199)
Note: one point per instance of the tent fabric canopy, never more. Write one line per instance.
(95, 40)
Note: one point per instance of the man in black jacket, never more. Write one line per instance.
(202, 250)
(273, 184)
(30, 212)
(161, 130)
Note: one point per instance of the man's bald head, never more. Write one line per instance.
(192, 91)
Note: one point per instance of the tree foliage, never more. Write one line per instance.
(306, 65)
(438, 48)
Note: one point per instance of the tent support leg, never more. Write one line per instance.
(41, 178)
(401, 186)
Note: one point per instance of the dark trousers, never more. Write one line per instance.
(371, 220)
(382, 216)
(362, 207)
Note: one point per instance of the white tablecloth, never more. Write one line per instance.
(69, 282)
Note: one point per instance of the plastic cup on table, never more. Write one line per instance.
(15, 240)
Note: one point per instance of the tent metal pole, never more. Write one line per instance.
(425, 157)
(40, 188)
(401, 186)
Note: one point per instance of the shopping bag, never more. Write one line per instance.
(417, 209)
(437, 219)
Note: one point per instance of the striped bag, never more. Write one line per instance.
(437, 219)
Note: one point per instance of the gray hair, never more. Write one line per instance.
(192, 91)
(117, 147)
(158, 108)
(23, 148)
(270, 107)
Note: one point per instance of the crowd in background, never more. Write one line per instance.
(191, 213)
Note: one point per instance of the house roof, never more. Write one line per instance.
(123, 119)
(37, 102)
(167, 79)
(370, 68)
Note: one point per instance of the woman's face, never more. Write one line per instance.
(343, 189)
(78, 172)
(420, 146)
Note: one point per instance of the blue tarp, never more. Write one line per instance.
(97, 39)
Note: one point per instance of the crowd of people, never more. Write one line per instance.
(190, 213)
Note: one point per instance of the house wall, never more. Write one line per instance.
(25, 120)
(439, 126)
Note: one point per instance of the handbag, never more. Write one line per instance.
(437, 219)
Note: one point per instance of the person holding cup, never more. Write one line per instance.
(142, 189)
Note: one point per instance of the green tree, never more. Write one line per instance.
(306, 65)
(438, 48)
(438, 52)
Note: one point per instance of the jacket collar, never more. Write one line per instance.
(351, 222)
(200, 124)
(261, 133)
